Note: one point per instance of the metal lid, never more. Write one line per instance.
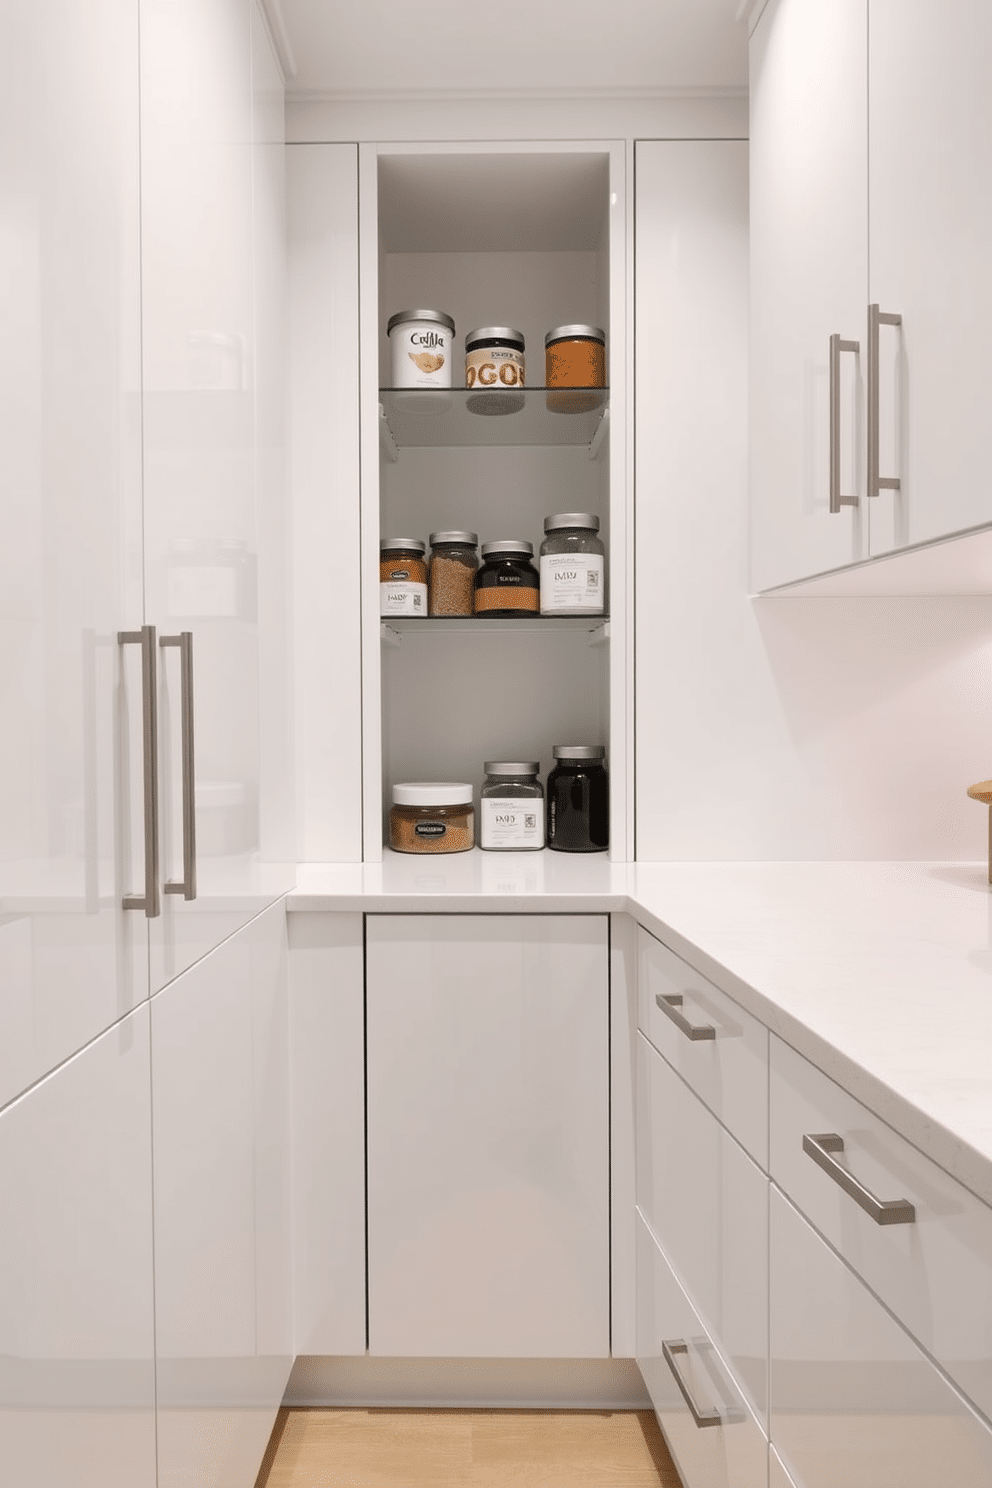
(495, 333)
(437, 317)
(507, 546)
(432, 793)
(571, 519)
(409, 544)
(470, 539)
(566, 333)
(512, 767)
(579, 751)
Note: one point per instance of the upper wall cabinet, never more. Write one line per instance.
(871, 308)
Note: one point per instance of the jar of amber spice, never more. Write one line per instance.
(402, 576)
(432, 817)
(575, 357)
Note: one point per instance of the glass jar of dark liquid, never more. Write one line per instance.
(579, 799)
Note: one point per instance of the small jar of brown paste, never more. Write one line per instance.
(575, 357)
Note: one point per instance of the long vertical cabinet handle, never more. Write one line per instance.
(187, 886)
(145, 638)
(876, 482)
(673, 1349)
(837, 345)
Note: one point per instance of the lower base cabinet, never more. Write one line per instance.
(77, 1374)
(852, 1398)
(488, 1135)
(222, 1272)
(713, 1437)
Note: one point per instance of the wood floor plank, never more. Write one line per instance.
(418, 1448)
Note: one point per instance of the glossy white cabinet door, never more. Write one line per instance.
(851, 1397)
(488, 1135)
(201, 381)
(220, 1120)
(809, 254)
(707, 1204)
(931, 241)
(77, 1381)
(71, 961)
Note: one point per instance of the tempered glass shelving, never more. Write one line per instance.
(422, 418)
(394, 627)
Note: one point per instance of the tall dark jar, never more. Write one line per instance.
(579, 799)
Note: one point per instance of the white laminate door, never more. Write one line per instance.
(201, 413)
(72, 961)
(222, 1293)
(488, 1135)
(931, 242)
(809, 281)
(77, 1366)
(851, 1397)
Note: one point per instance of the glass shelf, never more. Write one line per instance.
(422, 418)
(394, 627)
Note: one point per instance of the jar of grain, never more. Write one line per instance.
(511, 812)
(579, 799)
(494, 367)
(572, 564)
(575, 357)
(402, 576)
(507, 584)
(420, 344)
(432, 817)
(451, 575)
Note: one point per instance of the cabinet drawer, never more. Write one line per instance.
(852, 1400)
(707, 1204)
(935, 1273)
(716, 1442)
(728, 1068)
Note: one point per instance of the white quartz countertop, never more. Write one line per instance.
(880, 973)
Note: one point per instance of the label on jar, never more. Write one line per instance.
(494, 367)
(429, 829)
(421, 354)
(572, 581)
(512, 822)
(402, 598)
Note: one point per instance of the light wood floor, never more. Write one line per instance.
(388, 1448)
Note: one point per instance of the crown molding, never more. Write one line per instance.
(275, 23)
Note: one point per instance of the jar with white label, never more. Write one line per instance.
(511, 811)
(573, 567)
(494, 369)
(420, 344)
(402, 576)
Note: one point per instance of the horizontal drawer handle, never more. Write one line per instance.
(671, 1350)
(670, 1007)
(882, 1211)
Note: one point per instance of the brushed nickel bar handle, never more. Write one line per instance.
(145, 638)
(837, 345)
(187, 885)
(882, 1211)
(670, 1005)
(876, 482)
(673, 1349)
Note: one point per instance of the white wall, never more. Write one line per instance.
(778, 727)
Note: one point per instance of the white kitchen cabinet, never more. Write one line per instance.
(870, 124)
(488, 1135)
(327, 1063)
(77, 1361)
(72, 961)
(852, 1398)
(552, 252)
(712, 1435)
(220, 1118)
(809, 282)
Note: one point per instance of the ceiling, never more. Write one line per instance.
(354, 49)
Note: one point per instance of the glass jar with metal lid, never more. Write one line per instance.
(575, 357)
(451, 573)
(507, 584)
(420, 346)
(432, 817)
(494, 367)
(402, 576)
(511, 811)
(572, 565)
(579, 799)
